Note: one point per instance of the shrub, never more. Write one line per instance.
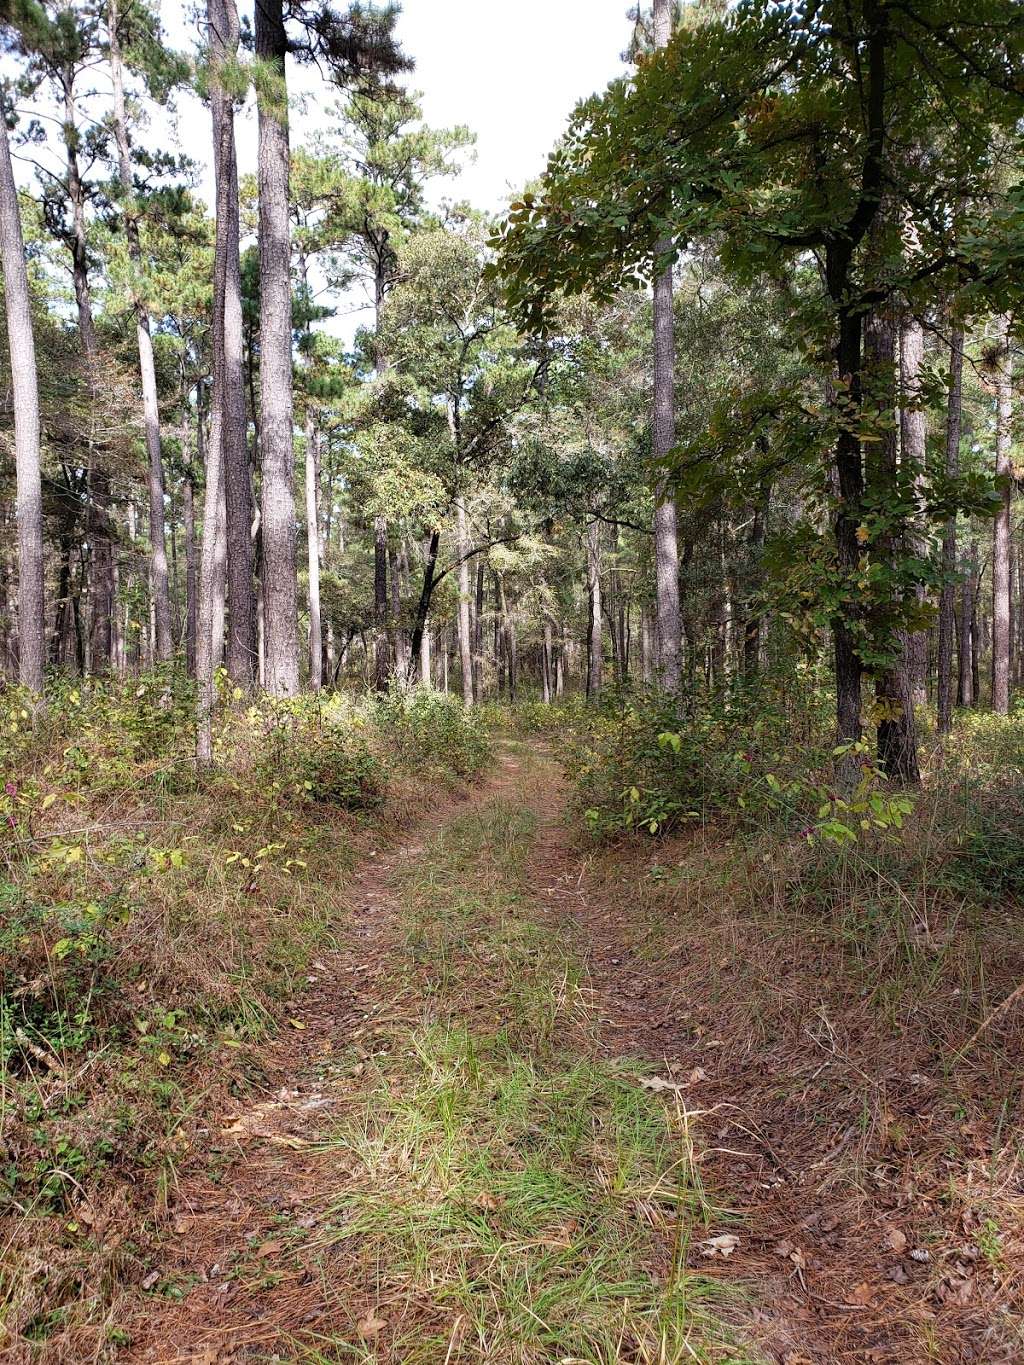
(421, 728)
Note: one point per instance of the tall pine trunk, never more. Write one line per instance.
(98, 516)
(228, 366)
(666, 530)
(147, 368)
(316, 638)
(278, 493)
(25, 391)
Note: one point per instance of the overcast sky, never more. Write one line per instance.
(512, 70)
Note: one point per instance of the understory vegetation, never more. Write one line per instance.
(153, 929)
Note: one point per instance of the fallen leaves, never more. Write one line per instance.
(659, 1083)
(723, 1245)
(860, 1295)
(370, 1326)
(896, 1241)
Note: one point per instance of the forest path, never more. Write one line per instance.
(453, 1162)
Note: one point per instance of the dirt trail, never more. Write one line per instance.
(817, 1287)
(263, 1161)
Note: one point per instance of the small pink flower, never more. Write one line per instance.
(11, 788)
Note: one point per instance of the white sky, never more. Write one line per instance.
(512, 70)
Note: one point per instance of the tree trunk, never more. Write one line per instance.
(381, 650)
(913, 437)
(280, 613)
(316, 641)
(850, 486)
(947, 624)
(98, 518)
(205, 626)
(465, 628)
(478, 634)
(666, 531)
(147, 368)
(191, 577)
(228, 367)
(419, 629)
(595, 643)
(1001, 528)
(25, 391)
(897, 735)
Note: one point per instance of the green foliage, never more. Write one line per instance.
(427, 729)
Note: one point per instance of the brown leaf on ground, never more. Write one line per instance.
(896, 1241)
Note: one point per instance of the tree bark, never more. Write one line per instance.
(205, 638)
(1001, 528)
(913, 437)
(278, 496)
(595, 642)
(666, 530)
(316, 641)
(228, 364)
(465, 625)
(25, 391)
(381, 644)
(947, 624)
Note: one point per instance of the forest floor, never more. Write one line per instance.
(543, 1104)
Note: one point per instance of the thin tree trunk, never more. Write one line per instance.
(478, 634)
(913, 437)
(316, 643)
(947, 624)
(191, 577)
(595, 643)
(465, 635)
(419, 630)
(205, 636)
(1001, 528)
(99, 532)
(280, 611)
(381, 649)
(666, 531)
(25, 391)
(897, 735)
(228, 359)
(147, 368)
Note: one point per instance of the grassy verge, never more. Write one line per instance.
(509, 1197)
(155, 926)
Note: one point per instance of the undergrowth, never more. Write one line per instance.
(154, 924)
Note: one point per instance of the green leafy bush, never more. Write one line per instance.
(422, 728)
